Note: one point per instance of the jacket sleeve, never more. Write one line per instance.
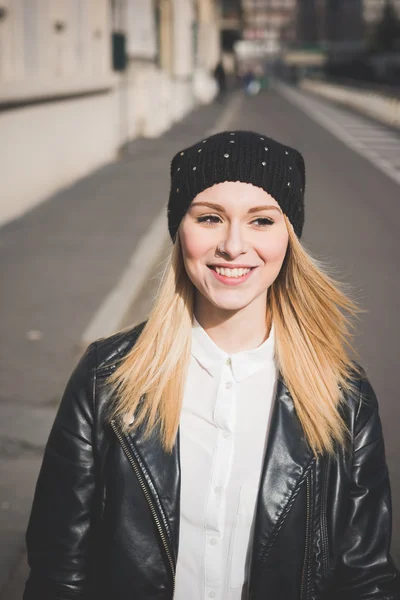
(58, 536)
(366, 569)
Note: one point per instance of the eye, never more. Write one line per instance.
(208, 219)
(264, 222)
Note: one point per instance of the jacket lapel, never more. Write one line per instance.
(286, 462)
(162, 474)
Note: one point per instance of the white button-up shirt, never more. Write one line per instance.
(223, 432)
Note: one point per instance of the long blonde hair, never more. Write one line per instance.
(312, 350)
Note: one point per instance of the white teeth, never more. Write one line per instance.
(231, 272)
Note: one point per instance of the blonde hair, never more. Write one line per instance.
(312, 350)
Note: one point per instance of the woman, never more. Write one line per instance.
(231, 425)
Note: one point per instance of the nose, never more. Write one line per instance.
(232, 242)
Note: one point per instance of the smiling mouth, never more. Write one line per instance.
(229, 272)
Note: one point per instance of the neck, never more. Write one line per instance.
(235, 331)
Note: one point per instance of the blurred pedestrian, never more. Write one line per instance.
(220, 77)
(250, 83)
(232, 424)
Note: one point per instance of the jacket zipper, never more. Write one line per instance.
(303, 592)
(325, 547)
(149, 502)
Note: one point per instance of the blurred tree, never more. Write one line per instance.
(386, 37)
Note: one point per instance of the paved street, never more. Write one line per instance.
(60, 261)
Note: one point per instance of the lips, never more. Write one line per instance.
(230, 266)
(235, 275)
(232, 271)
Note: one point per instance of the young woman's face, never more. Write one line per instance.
(240, 229)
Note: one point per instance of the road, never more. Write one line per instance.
(59, 262)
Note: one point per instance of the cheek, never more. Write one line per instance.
(275, 249)
(194, 249)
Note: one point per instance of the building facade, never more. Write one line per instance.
(65, 109)
(333, 24)
(345, 24)
(373, 9)
(310, 22)
(265, 29)
(268, 16)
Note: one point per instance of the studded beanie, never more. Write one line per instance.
(243, 156)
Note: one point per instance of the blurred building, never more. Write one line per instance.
(310, 22)
(373, 10)
(334, 24)
(266, 27)
(373, 13)
(231, 26)
(344, 24)
(80, 78)
(267, 18)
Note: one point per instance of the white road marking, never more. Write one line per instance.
(109, 316)
(355, 131)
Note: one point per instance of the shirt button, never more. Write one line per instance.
(211, 594)
(228, 385)
(213, 541)
(226, 434)
(228, 362)
(218, 489)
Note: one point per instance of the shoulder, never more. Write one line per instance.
(111, 349)
(102, 356)
(83, 399)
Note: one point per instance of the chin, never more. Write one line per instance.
(230, 303)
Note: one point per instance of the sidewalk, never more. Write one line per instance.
(57, 264)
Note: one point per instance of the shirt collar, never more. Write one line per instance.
(243, 364)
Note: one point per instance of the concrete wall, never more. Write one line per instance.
(48, 146)
(208, 51)
(53, 49)
(148, 107)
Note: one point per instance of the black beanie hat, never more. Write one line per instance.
(243, 156)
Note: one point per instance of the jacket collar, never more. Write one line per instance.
(286, 461)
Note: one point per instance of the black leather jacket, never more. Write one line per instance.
(105, 517)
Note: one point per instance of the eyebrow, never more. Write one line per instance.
(250, 212)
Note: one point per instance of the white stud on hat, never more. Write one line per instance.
(244, 166)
